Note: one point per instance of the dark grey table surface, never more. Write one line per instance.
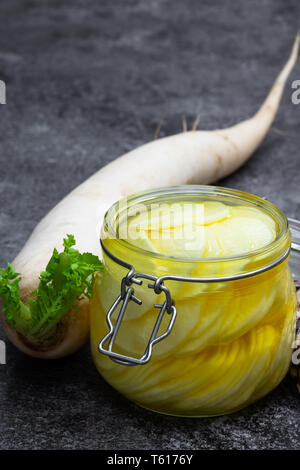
(87, 81)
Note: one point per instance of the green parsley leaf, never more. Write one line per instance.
(69, 276)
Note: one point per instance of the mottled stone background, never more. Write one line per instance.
(87, 81)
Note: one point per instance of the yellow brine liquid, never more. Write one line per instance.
(232, 341)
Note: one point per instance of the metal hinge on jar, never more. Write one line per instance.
(126, 296)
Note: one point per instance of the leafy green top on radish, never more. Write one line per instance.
(68, 277)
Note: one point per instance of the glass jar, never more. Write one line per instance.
(212, 335)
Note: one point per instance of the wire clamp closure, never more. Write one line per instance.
(157, 284)
(126, 296)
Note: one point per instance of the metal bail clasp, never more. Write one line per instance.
(125, 297)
